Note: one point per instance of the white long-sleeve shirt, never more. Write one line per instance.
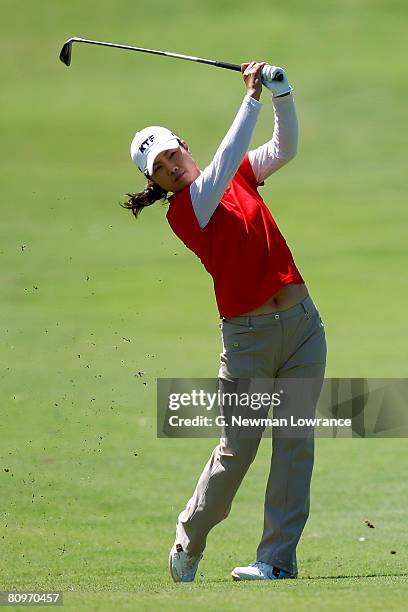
(208, 188)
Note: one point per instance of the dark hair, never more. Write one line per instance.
(137, 201)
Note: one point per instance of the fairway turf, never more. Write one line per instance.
(95, 305)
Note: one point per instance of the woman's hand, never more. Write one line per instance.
(251, 73)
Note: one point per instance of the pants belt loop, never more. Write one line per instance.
(305, 310)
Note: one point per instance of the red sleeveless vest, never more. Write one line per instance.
(241, 246)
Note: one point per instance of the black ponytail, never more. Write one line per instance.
(151, 194)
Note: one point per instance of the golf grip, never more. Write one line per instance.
(277, 77)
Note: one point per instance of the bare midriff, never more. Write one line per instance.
(285, 298)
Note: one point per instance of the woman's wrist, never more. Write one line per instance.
(254, 93)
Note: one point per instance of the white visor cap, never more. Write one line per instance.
(148, 143)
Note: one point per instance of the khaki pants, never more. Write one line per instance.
(260, 351)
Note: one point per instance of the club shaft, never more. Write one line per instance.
(190, 58)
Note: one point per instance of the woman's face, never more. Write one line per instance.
(174, 169)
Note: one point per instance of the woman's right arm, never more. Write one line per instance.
(207, 190)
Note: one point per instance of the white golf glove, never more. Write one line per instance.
(276, 87)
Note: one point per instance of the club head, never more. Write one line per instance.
(65, 55)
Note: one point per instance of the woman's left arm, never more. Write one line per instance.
(269, 157)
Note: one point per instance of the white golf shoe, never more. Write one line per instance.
(260, 571)
(182, 565)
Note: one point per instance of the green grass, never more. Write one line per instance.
(90, 297)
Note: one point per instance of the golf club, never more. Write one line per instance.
(66, 52)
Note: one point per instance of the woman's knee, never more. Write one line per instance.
(240, 452)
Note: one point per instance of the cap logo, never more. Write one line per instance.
(146, 143)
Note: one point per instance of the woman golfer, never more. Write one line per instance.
(271, 329)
